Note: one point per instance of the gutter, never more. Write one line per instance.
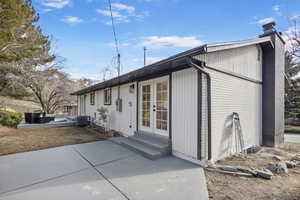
(152, 69)
(201, 70)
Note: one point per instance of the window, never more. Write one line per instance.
(107, 96)
(146, 105)
(92, 98)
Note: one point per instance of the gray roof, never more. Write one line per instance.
(167, 65)
(160, 67)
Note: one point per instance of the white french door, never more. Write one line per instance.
(154, 106)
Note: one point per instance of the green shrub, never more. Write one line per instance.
(103, 114)
(11, 119)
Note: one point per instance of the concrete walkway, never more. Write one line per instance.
(98, 170)
(292, 137)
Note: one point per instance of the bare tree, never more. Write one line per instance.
(106, 72)
(293, 39)
(81, 83)
(49, 86)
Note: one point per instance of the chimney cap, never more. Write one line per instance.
(269, 26)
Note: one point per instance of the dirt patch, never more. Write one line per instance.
(22, 140)
(225, 186)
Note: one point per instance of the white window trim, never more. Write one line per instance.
(92, 98)
(108, 92)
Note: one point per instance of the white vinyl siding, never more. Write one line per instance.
(81, 105)
(90, 109)
(204, 120)
(231, 94)
(124, 121)
(184, 113)
(228, 94)
(121, 121)
(243, 61)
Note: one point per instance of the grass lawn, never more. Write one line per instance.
(21, 140)
(292, 129)
(16, 105)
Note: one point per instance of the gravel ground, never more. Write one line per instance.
(225, 186)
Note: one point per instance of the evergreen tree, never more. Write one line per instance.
(19, 36)
(292, 87)
(292, 72)
(22, 43)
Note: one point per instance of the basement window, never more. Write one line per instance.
(107, 96)
(92, 98)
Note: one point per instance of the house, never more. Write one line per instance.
(189, 99)
(69, 109)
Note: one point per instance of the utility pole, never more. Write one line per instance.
(119, 70)
(145, 56)
(119, 100)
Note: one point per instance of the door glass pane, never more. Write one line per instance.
(146, 103)
(162, 105)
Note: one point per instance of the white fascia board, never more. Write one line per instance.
(237, 44)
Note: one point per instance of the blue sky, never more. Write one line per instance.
(82, 31)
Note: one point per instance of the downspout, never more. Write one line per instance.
(201, 70)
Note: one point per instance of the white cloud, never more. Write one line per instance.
(277, 9)
(149, 59)
(142, 15)
(56, 3)
(117, 15)
(45, 10)
(120, 6)
(295, 16)
(123, 44)
(72, 20)
(123, 13)
(170, 41)
(265, 20)
(78, 73)
(290, 30)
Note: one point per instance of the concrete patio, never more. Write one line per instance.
(98, 170)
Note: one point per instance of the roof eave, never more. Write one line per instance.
(232, 45)
(170, 64)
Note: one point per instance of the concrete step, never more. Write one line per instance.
(146, 151)
(161, 145)
(153, 136)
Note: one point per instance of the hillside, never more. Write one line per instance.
(17, 105)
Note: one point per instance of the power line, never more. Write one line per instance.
(118, 55)
(113, 27)
(145, 49)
